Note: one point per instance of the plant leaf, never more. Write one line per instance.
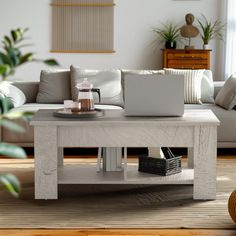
(51, 62)
(26, 58)
(11, 183)
(5, 104)
(5, 59)
(12, 151)
(7, 41)
(3, 69)
(14, 35)
(12, 126)
(16, 115)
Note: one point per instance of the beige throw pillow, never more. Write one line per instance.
(226, 98)
(192, 84)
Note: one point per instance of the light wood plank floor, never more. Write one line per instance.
(117, 232)
(105, 232)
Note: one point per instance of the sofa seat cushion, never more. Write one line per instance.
(227, 128)
(28, 136)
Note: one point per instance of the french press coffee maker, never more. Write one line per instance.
(85, 96)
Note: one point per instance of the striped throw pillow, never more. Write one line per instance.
(192, 84)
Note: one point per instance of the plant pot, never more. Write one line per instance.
(206, 46)
(170, 45)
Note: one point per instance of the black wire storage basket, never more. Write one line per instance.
(159, 166)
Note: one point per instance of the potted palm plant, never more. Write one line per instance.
(210, 30)
(169, 34)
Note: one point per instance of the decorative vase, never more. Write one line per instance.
(170, 45)
(206, 46)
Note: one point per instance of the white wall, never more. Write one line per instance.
(133, 36)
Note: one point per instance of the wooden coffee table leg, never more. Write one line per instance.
(205, 148)
(46, 162)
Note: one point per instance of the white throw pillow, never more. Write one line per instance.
(108, 81)
(207, 89)
(16, 96)
(192, 83)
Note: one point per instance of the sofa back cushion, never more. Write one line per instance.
(29, 88)
(226, 98)
(54, 86)
(108, 81)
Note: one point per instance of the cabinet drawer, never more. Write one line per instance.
(186, 59)
(191, 67)
(197, 56)
(188, 62)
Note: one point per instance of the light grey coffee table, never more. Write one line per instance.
(196, 130)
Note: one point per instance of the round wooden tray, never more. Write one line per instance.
(69, 114)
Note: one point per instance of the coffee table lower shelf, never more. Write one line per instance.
(86, 174)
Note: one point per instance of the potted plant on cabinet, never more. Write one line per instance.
(168, 34)
(210, 30)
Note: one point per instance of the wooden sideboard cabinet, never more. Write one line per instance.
(186, 59)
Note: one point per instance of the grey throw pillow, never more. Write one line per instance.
(207, 87)
(54, 86)
(15, 95)
(124, 73)
(108, 81)
(226, 98)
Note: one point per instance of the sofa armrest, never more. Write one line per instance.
(30, 89)
(218, 85)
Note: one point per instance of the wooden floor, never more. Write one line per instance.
(117, 232)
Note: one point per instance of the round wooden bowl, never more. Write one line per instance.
(232, 206)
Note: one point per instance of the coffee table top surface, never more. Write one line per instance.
(116, 117)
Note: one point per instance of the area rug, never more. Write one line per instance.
(117, 206)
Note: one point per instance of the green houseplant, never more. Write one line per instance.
(9, 181)
(12, 56)
(168, 33)
(210, 30)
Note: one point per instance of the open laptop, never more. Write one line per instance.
(154, 95)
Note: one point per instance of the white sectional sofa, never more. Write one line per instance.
(226, 131)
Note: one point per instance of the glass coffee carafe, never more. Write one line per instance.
(85, 96)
